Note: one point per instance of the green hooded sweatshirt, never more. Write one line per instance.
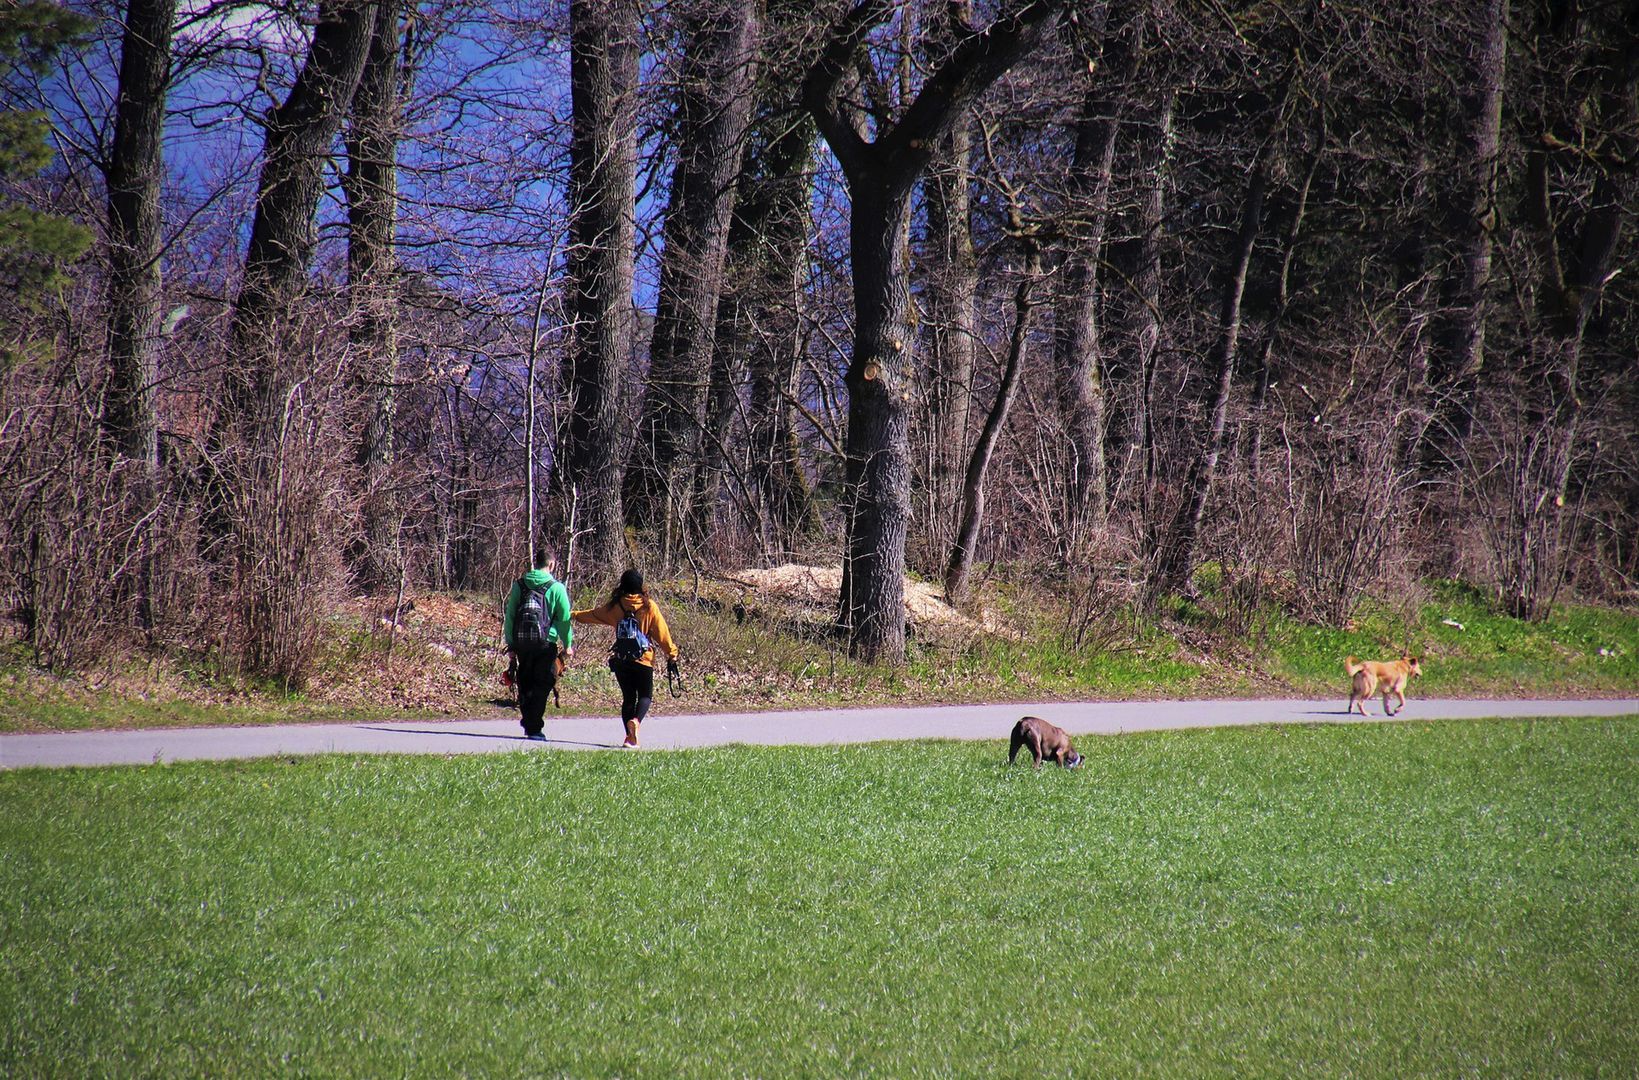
(557, 607)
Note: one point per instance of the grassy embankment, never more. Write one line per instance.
(1378, 900)
(775, 657)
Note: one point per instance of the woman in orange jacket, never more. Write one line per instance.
(640, 630)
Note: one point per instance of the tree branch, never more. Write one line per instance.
(820, 86)
(979, 60)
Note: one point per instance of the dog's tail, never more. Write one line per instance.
(1351, 665)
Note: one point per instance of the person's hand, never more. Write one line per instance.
(671, 667)
(568, 655)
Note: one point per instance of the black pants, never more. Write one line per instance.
(636, 688)
(537, 675)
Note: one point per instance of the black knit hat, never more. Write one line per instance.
(631, 582)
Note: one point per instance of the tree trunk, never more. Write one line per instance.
(973, 488)
(878, 445)
(1459, 341)
(952, 302)
(371, 188)
(1078, 353)
(1078, 360)
(1611, 202)
(1545, 519)
(880, 175)
(135, 174)
(282, 233)
(1136, 431)
(1414, 264)
(763, 313)
(713, 106)
(1283, 298)
(1176, 547)
(602, 171)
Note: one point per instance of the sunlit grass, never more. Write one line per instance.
(1467, 647)
(1368, 900)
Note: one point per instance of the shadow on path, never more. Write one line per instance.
(481, 735)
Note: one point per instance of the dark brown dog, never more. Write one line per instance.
(1045, 741)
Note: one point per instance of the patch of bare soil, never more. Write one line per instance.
(814, 590)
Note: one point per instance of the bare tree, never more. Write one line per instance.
(603, 48)
(299, 134)
(973, 485)
(1175, 544)
(1263, 368)
(371, 186)
(1078, 350)
(1133, 431)
(1458, 345)
(762, 314)
(135, 174)
(952, 292)
(1532, 517)
(273, 498)
(880, 173)
(713, 106)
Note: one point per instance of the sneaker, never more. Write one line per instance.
(537, 736)
(629, 744)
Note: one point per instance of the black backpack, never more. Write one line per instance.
(530, 623)
(630, 640)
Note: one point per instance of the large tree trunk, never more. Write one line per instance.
(300, 133)
(1175, 548)
(973, 486)
(712, 109)
(1458, 346)
(135, 174)
(880, 175)
(371, 187)
(872, 604)
(603, 46)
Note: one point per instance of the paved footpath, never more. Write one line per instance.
(665, 731)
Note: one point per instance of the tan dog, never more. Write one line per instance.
(1045, 741)
(1384, 676)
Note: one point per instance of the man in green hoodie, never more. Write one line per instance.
(538, 634)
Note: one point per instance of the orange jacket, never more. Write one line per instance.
(649, 620)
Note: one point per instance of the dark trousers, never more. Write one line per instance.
(636, 688)
(537, 675)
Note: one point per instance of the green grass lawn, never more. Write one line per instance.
(1373, 900)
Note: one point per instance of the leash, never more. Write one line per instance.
(674, 682)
